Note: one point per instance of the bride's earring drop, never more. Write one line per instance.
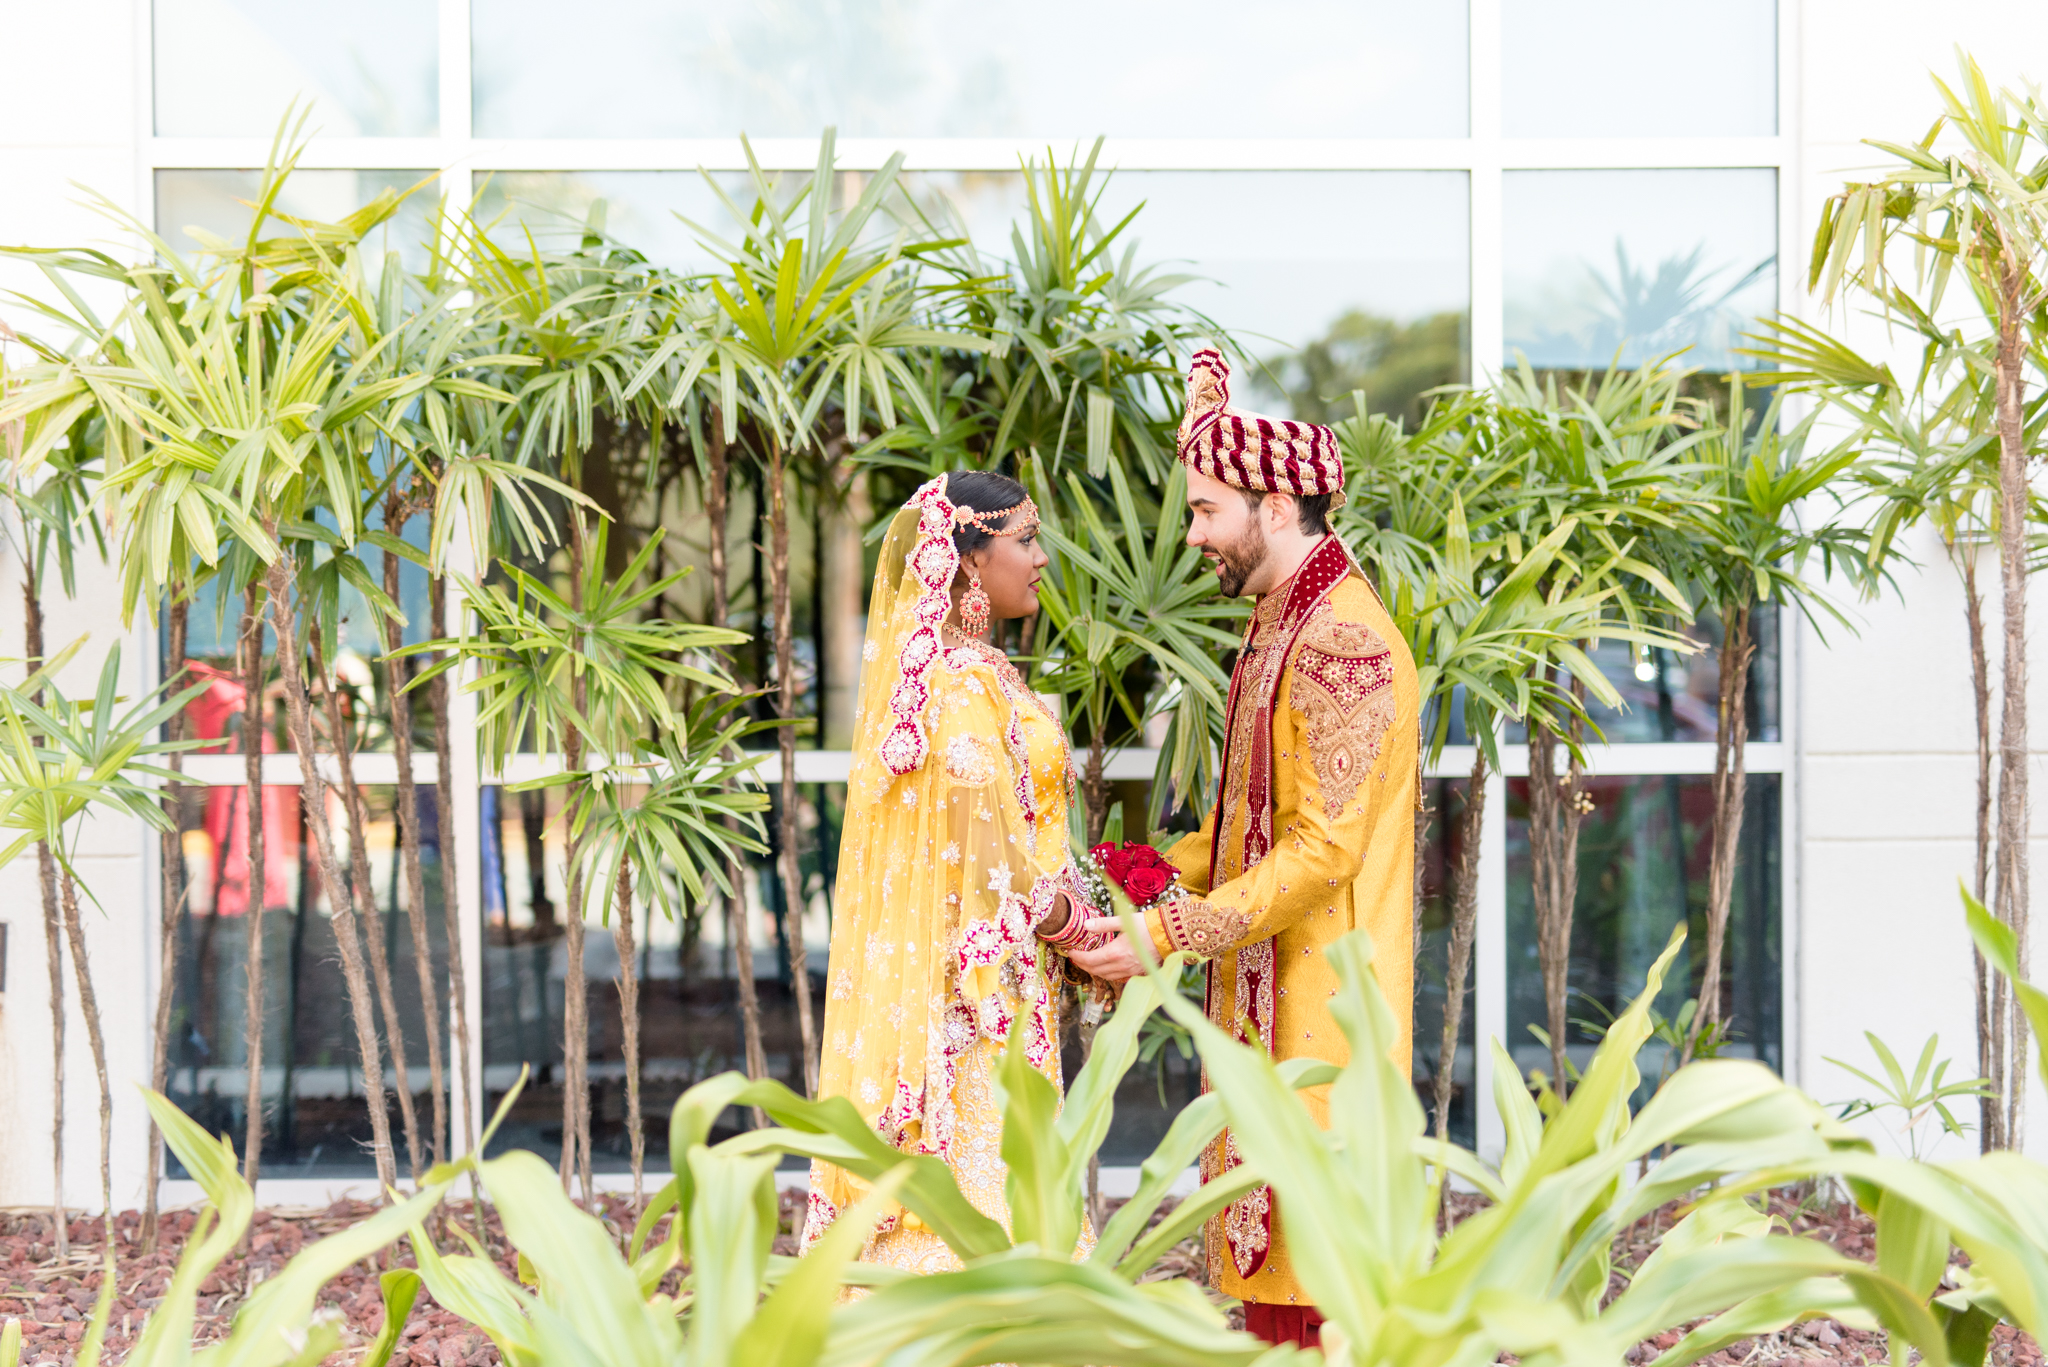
(974, 606)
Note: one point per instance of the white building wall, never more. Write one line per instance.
(70, 118)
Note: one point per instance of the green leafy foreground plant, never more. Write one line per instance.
(581, 1300)
(1526, 1275)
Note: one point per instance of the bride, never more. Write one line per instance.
(956, 891)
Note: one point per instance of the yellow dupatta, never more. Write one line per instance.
(953, 849)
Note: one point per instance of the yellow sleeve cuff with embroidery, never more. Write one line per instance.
(1203, 928)
(1156, 928)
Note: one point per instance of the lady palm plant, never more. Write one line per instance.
(694, 819)
(253, 396)
(1435, 514)
(1931, 452)
(1123, 599)
(1971, 200)
(815, 311)
(1610, 459)
(1087, 346)
(60, 757)
(582, 673)
(1748, 550)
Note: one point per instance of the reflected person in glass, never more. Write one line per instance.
(954, 868)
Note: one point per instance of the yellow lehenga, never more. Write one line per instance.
(954, 848)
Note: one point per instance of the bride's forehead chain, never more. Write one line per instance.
(990, 523)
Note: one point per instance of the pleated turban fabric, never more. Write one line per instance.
(1247, 451)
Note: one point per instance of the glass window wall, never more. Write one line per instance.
(316, 1124)
(1600, 266)
(229, 68)
(1643, 862)
(1622, 69)
(956, 69)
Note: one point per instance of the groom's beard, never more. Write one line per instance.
(1239, 560)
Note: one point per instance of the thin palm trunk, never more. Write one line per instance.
(53, 933)
(1094, 787)
(629, 1020)
(89, 1006)
(397, 512)
(1731, 738)
(1464, 926)
(2012, 737)
(340, 896)
(575, 991)
(451, 903)
(173, 855)
(366, 901)
(1420, 854)
(785, 700)
(257, 882)
(739, 930)
(1990, 988)
(1556, 805)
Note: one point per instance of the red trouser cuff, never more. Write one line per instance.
(1276, 1324)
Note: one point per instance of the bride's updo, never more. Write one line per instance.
(985, 491)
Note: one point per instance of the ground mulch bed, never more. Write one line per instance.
(54, 1300)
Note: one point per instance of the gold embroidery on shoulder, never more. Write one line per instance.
(1343, 686)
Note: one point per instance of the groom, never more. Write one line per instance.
(1313, 833)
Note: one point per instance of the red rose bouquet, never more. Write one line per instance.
(1141, 871)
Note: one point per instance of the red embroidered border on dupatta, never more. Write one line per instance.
(934, 561)
(1248, 1222)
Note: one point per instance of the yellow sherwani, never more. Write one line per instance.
(1313, 836)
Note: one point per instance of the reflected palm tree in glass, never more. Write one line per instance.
(1632, 312)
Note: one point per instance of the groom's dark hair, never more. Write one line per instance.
(985, 491)
(1311, 511)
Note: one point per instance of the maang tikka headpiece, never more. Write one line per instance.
(991, 524)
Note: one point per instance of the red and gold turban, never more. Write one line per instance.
(1246, 451)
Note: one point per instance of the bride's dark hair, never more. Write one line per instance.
(985, 491)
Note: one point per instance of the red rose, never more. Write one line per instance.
(1101, 853)
(1148, 858)
(1146, 884)
(1119, 865)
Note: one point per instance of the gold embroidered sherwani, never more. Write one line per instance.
(1311, 838)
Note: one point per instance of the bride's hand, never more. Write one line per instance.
(1116, 961)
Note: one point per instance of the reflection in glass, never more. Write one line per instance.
(1672, 697)
(951, 68)
(650, 212)
(689, 1004)
(229, 68)
(1336, 280)
(213, 620)
(1638, 264)
(1643, 855)
(1380, 305)
(218, 203)
(317, 1124)
(1619, 68)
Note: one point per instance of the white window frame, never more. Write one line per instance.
(1485, 155)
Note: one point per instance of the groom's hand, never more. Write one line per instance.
(1116, 961)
